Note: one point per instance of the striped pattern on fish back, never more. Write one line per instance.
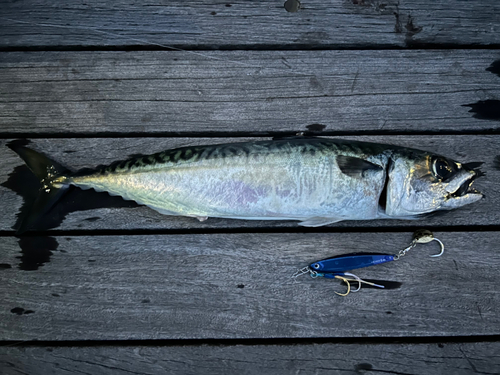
(194, 154)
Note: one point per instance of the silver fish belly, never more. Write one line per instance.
(270, 180)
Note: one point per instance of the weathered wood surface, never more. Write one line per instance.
(240, 286)
(342, 23)
(237, 285)
(248, 92)
(453, 358)
(114, 213)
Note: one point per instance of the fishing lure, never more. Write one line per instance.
(336, 267)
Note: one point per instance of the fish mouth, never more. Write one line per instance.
(466, 187)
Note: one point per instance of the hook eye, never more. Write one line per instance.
(442, 248)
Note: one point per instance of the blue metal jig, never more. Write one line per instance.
(348, 262)
(336, 267)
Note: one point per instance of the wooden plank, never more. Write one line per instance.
(240, 286)
(91, 211)
(247, 92)
(353, 23)
(446, 358)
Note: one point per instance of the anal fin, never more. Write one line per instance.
(319, 221)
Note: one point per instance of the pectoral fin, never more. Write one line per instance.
(355, 167)
(319, 221)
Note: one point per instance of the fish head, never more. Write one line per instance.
(421, 182)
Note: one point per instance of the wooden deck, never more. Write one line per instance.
(108, 287)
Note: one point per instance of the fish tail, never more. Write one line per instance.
(53, 183)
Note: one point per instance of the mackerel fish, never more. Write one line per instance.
(317, 181)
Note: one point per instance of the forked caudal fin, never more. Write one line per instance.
(47, 171)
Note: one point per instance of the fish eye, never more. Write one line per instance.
(444, 169)
(316, 265)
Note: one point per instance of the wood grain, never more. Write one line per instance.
(331, 359)
(269, 77)
(240, 286)
(344, 23)
(99, 212)
(245, 92)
